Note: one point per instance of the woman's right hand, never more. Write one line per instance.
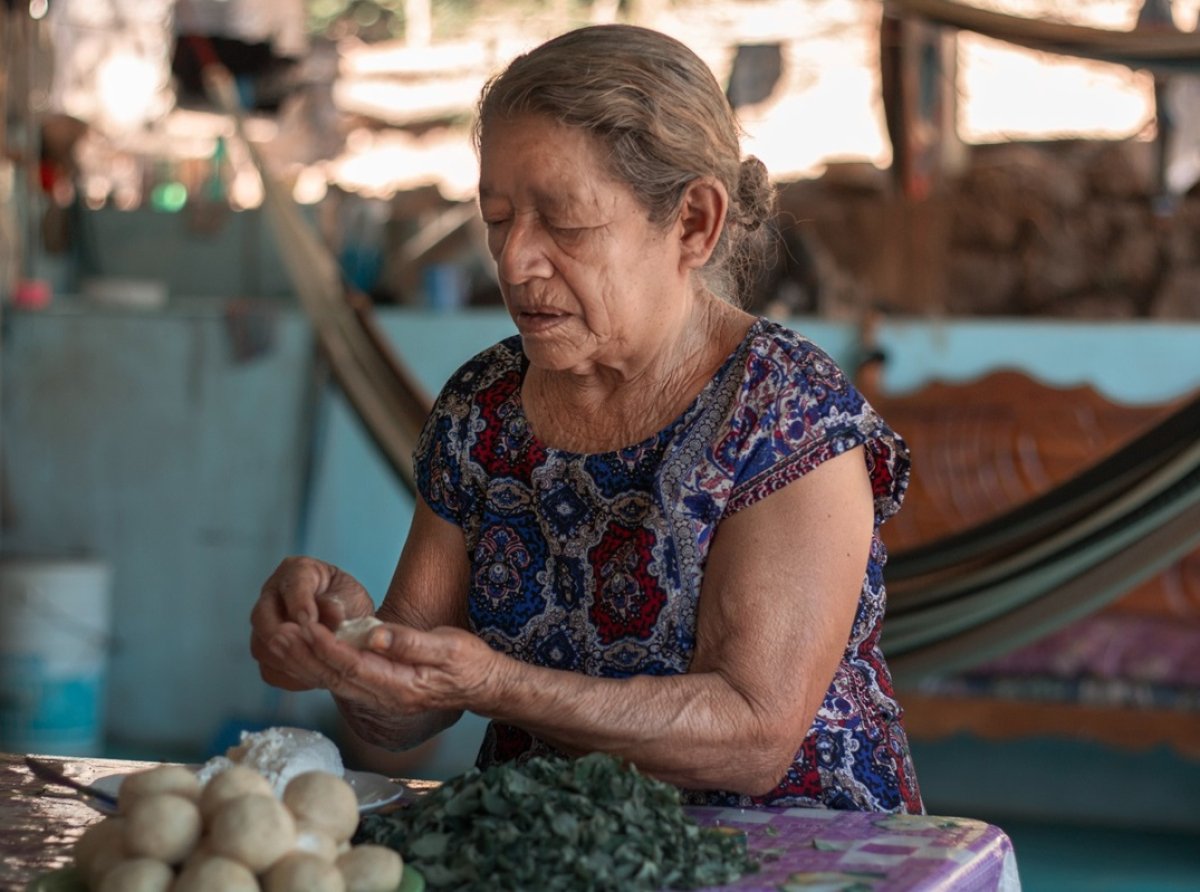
(302, 590)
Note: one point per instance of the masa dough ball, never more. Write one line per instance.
(161, 779)
(302, 872)
(355, 632)
(165, 826)
(102, 864)
(234, 781)
(138, 875)
(103, 837)
(215, 874)
(371, 868)
(315, 842)
(255, 830)
(321, 801)
(199, 853)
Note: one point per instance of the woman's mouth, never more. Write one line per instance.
(536, 321)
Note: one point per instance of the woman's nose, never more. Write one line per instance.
(523, 253)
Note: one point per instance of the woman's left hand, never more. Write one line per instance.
(401, 671)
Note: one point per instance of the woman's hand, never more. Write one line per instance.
(302, 591)
(402, 671)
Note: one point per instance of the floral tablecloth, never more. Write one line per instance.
(819, 850)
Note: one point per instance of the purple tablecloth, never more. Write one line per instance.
(800, 849)
(839, 851)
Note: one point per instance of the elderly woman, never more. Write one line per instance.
(647, 525)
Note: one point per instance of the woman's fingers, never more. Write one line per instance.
(450, 666)
(408, 645)
(332, 609)
(296, 584)
(402, 670)
(300, 592)
(273, 668)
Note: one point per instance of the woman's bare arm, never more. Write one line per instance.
(780, 592)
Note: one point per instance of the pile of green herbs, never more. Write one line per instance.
(554, 823)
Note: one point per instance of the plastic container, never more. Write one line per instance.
(54, 642)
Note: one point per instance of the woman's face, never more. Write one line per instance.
(588, 279)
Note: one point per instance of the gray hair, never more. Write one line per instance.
(663, 120)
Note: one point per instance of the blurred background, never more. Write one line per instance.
(992, 222)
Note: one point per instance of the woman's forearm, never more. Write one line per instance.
(693, 730)
(394, 732)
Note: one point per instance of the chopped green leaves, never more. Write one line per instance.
(558, 824)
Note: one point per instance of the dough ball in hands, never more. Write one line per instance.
(215, 874)
(302, 872)
(234, 781)
(321, 801)
(356, 632)
(138, 875)
(255, 830)
(164, 826)
(371, 868)
(160, 779)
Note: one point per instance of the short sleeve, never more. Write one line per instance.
(798, 409)
(436, 463)
(441, 458)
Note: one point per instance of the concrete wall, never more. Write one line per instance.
(169, 446)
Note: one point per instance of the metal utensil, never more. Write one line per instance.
(49, 772)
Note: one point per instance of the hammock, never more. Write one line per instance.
(952, 603)
(384, 393)
(974, 596)
(1166, 51)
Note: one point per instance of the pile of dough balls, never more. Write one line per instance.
(232, 834)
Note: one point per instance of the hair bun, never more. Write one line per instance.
(755, 200)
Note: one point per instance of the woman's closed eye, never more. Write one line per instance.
(568, 232)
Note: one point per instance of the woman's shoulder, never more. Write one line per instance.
(503, 360)
(795, 407)
(777, 356)
(767, 337)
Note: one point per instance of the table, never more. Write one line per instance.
(806, 849)
(821, 850)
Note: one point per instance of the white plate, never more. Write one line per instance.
(374, 791)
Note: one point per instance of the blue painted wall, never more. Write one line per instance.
(149, 441)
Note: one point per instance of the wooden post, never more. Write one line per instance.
(918, 69)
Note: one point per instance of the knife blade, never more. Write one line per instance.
(48, 772)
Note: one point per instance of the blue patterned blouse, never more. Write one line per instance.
(593, 563)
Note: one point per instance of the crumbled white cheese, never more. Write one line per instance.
(279, 754)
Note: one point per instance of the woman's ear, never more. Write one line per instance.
(701, 219)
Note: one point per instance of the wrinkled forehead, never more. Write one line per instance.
(536, 147)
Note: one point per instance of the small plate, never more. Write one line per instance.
(374, 791)
(67, 879)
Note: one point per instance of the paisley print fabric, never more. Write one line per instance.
(593, 563)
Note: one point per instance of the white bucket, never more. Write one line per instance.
(54, 634)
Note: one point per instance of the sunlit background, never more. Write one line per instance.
(394, 88)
